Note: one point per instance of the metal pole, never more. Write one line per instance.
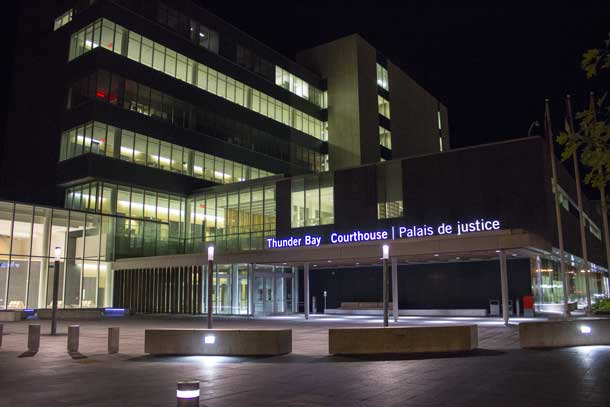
(210, 288)
(395, 288)
(549, 135)
(581, 216)
(504, 286)
(55, 298)
(385, 292)
(306, 289)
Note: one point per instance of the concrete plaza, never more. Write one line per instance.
(498, 374)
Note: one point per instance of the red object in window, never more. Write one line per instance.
(100, 94)
(109, 45)
(202, 206)
(112, 98)
(102, 140)
(528, 302)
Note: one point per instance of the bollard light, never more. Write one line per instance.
(211, 253)
(187, 393)
(57, 253)
(386, 251)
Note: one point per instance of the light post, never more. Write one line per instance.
(386, 256)
(55, 290)
(210, 271)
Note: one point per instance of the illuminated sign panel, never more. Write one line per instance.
(390, 233)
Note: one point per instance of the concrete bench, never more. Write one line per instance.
(67, 313)
(552, 334)
(222, 342)
(414, 339)
(10, 316)
(363, 305)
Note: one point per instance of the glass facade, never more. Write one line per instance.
(113, 89)
(312, 200)
(28, 237)
(382, 77)
(187, 27)
(547, 283)
(390, 203)
(384, 106)
(238, 289)
(147, 223)
(100, 138)
(231, 220)
(385, 137)
(119, 40)
(299, 87)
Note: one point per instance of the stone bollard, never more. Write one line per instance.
(1, 332)
(113, 340)
(33, 338)
(187, 393)
(73, 333)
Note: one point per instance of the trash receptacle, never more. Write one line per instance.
(494, 308)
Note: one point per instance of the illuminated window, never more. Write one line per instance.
(389, 190)
(176, 65)
(102, 139)
(63, 19)
(382, 77)
(385, 137)
(312, 200)
(299, 87)
(384, 106)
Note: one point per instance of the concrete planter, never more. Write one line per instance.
(225, 342)
(416, 339)
(551, 334)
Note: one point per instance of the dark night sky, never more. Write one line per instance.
(491, 65)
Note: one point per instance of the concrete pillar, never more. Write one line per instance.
(504, 286)
(306, 288)
(33, 337)
(1, 333)
(113, 340)
(73, 334)
(395, 288)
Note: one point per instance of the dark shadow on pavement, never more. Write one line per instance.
(28, 354)
(77, 355)
(409, 356)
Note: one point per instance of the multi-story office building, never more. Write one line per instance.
(162, 130)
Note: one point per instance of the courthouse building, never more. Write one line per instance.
(161, 130)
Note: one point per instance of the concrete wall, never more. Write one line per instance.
(459, 285)
(348, 64)
(414, 117)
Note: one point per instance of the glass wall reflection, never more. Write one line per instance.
(28, 236)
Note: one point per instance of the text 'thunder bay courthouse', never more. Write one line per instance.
(157, 129)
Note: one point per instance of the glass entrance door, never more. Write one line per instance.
(263, 294)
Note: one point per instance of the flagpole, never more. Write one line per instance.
(581, 216)
(564, 276)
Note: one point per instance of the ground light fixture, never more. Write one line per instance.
(585, 329)
(187, 393)
(209, 339)
(210, 282)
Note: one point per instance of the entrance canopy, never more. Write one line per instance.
(481, 245)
